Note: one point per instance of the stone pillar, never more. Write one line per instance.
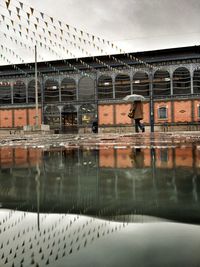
(171, 83)
(59, 88)
(113, 81)
(77, 91)
(131, 81)
(151, 100)
(191, 81)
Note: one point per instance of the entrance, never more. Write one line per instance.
(69, 119)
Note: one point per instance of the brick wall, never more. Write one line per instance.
(106, 114)
(31, 116)
(121, 114)
(6, 118)
(20, 117)
(182, 111)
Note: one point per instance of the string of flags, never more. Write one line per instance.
(43, 29)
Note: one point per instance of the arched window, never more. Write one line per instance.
(86, 114)
(181, 81)
(86, 89)
(5, 93)
(162, 113)
(68, 90)
(19, 92)
(51, 91)
(31, 92)
(122, 86)
(141, 84)
(161, 83)
(196, 82)
(105, 87)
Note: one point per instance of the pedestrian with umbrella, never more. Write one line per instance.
(136, 111)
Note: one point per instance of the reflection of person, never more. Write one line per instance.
(137, 158)
(138, 115)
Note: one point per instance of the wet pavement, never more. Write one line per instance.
(91, 140)
(100, 200)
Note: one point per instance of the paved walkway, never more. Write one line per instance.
(103, 140)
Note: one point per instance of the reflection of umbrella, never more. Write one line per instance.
(134, 97)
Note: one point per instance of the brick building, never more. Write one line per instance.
(72, 93)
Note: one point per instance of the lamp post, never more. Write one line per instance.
(151, 102)
(36, 90)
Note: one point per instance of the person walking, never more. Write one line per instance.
(137, 110)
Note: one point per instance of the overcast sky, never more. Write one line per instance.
(134, 25)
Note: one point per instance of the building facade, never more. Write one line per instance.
(70, 100)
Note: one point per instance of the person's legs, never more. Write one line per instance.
(137, 122)
(141, 126)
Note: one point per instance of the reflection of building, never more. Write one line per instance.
(86, 181)
(71, 101)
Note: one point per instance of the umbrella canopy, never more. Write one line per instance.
(134, 97)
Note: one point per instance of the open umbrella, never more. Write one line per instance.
(133, 98)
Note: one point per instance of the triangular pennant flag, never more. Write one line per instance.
(20, 33)
(9, 12)
(3, 17)
(46, 23)
(60, 23)
(35, 26)
(92, 37)
(27, 30)
(37, 19)
(18, 9)
(42, 15)
(67, 26)
(19, 17)
(21, 5)
(81, 32)
(51, 19)
(32, 10)
(49, 33)
(61, 31)
(7, 3)
(12, 21)
(28, 15)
